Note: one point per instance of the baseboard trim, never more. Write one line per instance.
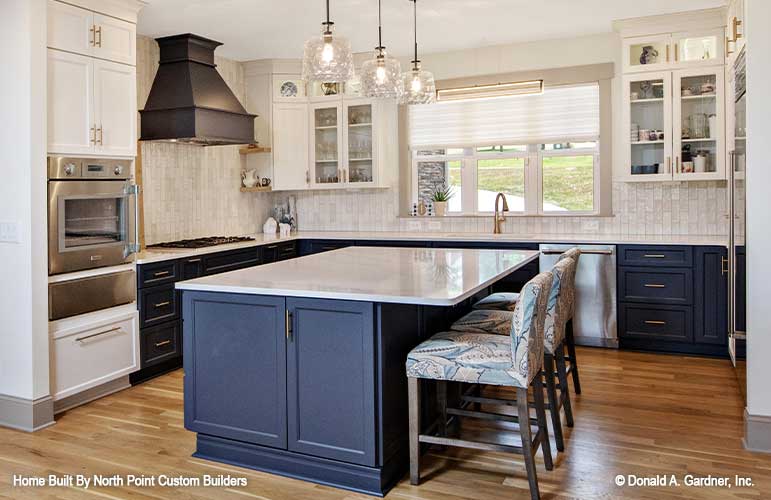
(92, 394)
(26, 414)
(757, 432)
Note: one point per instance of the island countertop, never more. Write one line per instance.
(423, 276)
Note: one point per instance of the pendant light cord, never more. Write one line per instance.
(328, 23)
(379, 29)
(415, 31)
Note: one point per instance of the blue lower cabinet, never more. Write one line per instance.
(330, 377)
(741, 289)
(656, 285)
(235, 367)
(309, 247)
(711, 296)
(656, 322)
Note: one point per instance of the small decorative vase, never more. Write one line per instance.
(440, 208)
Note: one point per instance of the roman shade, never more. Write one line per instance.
(560, 114)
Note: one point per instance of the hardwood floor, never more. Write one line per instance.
(642, 414)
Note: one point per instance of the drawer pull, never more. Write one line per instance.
(654, 256)
(161, 304)
(272, 247)
(161, 344)
(655, 322)
(193, 261)
(654, 285)
(116, 329)
(161, 273)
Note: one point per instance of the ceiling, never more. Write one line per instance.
(264, 29)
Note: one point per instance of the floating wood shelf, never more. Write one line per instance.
(253, 150)
(256, 189)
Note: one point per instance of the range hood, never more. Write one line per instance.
(189, 101)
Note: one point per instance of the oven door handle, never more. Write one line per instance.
(133, 191)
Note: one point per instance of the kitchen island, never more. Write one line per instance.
(297, 367)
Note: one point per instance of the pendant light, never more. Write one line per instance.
(419, 85)
(328, 58)
(382, 76)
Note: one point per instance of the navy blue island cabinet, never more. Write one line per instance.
(307, 388)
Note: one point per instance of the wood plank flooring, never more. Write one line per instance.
(643, 414)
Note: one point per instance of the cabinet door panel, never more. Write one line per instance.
(70, 103)
(290, 146)
(330, 380)
(711, 296)
(229, 337)
(70, 28)
(115, 108)
(115, 40)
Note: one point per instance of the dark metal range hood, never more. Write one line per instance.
(189, 101)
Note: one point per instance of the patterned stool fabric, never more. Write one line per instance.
(512, 360)
(560, 303)
(500, 301)
(485, 321)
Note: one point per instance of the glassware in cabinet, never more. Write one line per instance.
(326, 145)
(359, 143)
(649, 121)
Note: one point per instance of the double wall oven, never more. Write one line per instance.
(92, 224)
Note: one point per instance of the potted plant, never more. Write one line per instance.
(440, 198)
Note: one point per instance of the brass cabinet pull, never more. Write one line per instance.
(92, 40)
(736, 23)
(288, 325)
(654, 256)
(667, 52)
(193, 261)
(161, 273)
(669, 165)
(677, 164)
(93, 135)
(161, 304)
(655, 322)
(272, 247)
(728, 50)
(116, 329)
(723, 266)
(98, 41)
(654, 285)
(676, 56)
(101, 135)
(161, 344)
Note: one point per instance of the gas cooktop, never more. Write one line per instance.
(208, 241)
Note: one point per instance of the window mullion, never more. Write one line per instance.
(468, 185)
(532, 182)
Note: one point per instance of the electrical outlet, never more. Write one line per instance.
(9, 232)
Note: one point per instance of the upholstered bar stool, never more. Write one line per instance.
(559, 305)
(506, 301)
(514, 361)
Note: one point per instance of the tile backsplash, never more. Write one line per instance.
(692, 208)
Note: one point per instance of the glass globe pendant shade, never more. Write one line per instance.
(328, 58)
(381, 77)
(419, 87)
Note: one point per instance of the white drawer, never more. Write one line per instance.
(86, 356)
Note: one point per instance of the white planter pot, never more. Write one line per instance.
(440, 208)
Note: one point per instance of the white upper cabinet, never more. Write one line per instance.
(115, 40)
(673, 50)
(70, 28)
(82, 31)
(71, 128)
(115, 108)
(290, 146)
(735, 23)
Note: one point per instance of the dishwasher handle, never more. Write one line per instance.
(583, 252)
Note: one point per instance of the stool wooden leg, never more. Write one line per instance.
(572, 355)
(441, 408)
(543, 429)
(564, 389)
(554, 407)
(413, 389)
(523, 410)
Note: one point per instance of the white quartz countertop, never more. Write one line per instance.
(425, 276)
(158, 255)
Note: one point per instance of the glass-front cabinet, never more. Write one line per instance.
(343, 146)
(359, 144)
(326, 135)
(676, 125)
(648, 114)
(698, 114)
(673, 50)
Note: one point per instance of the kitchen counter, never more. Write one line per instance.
(161, 254)
(297, 367)
(424, 276)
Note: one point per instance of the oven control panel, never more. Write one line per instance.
(60, 168)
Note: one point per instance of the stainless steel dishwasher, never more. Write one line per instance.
(594, 323)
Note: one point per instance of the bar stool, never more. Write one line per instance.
(506, 301)
(560, 304)
(514, 361)
(575, 254)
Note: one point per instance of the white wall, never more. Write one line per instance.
(758, 207)
(23, 265)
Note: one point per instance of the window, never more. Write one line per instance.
(541, 152)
